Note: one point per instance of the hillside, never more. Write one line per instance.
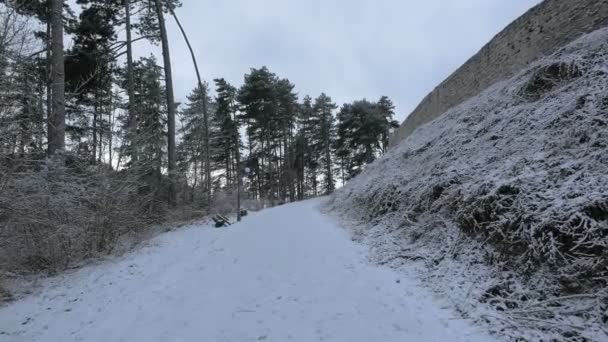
(503, 200)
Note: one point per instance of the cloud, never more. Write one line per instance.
(349, 49)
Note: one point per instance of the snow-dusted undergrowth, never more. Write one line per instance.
(505, 199)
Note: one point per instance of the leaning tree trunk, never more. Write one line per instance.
(56, 123)
(170, 101)
(205, 115)
(132, 133)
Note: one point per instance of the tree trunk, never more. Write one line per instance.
(228, 158)
(205, 114)
(40, 114)
(315, 183)
(330, 177)
(369, 154)
(170, 101)
(132, 133)
(100, 129)
(301, 171)
(57, 121)
(194, 183)
(262, 170)
(111, 132)
(286, 166)
(95, 114)
(342, 167)
(237, 171)
(291, 167)
(49, 80)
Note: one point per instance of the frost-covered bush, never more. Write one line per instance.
(521, 173)
(57, 212)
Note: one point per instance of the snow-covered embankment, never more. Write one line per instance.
(505, 199)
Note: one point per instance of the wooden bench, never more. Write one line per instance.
(221, 220)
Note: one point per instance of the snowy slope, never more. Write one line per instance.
(285, 274)
(503, 199)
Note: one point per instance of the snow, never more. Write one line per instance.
(284, 274)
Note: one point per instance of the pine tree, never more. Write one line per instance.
(363, 130)
(41, 10)
(387, 110)
(152, 25)
(257, 100)
(228, 139)
(324, 136)
(193, 132)
(287, 109)
(21, 94)
(205, 108)
(305, 157)
(342, 144)
(89, 75)
(151, 122)
(170, 101)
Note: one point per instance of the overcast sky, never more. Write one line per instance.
(349, 49)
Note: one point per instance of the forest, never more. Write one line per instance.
(95, 151)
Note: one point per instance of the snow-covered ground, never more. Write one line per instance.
(284, 274)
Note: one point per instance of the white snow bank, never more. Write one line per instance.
(505, 199)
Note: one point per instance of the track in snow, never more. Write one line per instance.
(284, 274)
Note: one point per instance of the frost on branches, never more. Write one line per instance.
(505, 200)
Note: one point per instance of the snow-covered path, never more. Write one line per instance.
(284, 274)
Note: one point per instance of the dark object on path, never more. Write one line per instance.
(244, 212)
(5, 296)
(220, 221)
